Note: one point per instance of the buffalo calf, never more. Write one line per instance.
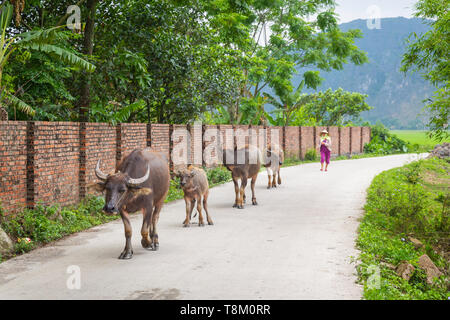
(195, 186)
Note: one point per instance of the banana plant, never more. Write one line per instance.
(36, 40)
(288, 104)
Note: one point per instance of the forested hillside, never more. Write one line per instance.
(396, 98)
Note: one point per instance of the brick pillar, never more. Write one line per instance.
(350, 133)
(300, 143)
(118, 143)
(315, 137)
(149, 135)
(170, 148)
(361, 141)
(82, 159)
(339, 142)
(30, 164)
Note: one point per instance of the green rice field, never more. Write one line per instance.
(417, 137)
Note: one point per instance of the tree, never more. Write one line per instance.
(88, 49)
(285, 40)
(290, 103)
(429, 54)
(328, 108)
(27, 42)
(334, 108)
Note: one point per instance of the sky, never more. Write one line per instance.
(349, 10)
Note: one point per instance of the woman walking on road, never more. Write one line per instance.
(325, 149)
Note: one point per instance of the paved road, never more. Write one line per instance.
(296, 244)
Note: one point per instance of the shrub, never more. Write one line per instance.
(218, 175)
(383, 142)
(311, 155)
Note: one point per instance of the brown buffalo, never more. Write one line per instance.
(195, 187)
(141, 182)
(273, 159)
(244, 163)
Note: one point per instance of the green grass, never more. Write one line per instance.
(418, 137)
(407, 201)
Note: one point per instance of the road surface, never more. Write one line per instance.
(296, 244)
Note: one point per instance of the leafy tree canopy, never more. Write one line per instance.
(429, 54)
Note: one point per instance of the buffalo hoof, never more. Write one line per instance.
(146, 244)
(269, 187)
(235, 205)
(186, 225)
(125, 255)
(254, 202)
(201, 224)
(210, 223)
(240, 206)
(155, 246)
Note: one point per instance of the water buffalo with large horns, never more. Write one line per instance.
(141, 182)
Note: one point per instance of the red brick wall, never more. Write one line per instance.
(196, 156)
(13, 170)
(365, 136)
(52, 162)
(241, 134)
(212, 143)
(307, 137)
(317, 138)
(133, 136)
(345, 141)
(180, 143)
(356, 139)
(56, 162)
(100, 144)
(226, 136)
(160, 138)
(334, 135)
(292, 143)
(272, 133)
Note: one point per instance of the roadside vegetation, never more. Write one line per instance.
(31, 229)
(407, 217)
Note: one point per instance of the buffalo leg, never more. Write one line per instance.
(205, 206)
(145, 231)
(253, 189)
(269, 176)
(192, 209)
(279, 177)
(242, 192)
(127, 253)
(189, 206)
(236, 190)
(201, 223)
(274, 179)
(155, 218)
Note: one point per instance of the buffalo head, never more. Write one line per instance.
(186, 178)
(117, 186)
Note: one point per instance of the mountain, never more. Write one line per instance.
(396, 98)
